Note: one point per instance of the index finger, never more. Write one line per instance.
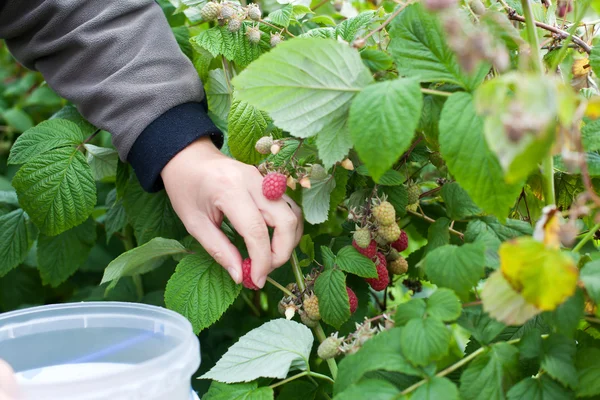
(247, 220)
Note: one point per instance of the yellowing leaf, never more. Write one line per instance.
(581, 67)
(548, 227)
(505, 304)
(593, 108)
(544, 276)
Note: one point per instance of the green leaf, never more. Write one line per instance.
(16, 238)
(438, 234)
(245, 126)
(304, 84)
(21, 287)
(217, 41)
(334, 141)
(43, 96)
(457, 268)
(376, 114)
(270, 351)
(182, 36)
(588, 371)
(417, 43)
(49, 135)
(458, 203)
(590, 276)
(323, 19)
(398, 197)
(315, 201)
(372, 389)
(350, 260)
(541, 388)
(57, 190)
(468, 158)
(483, 328)
(151, 214)
(307, 246)
(116, 218)
(414, 308)
(298, 390)
(218, 93)
(9, 197)
(328, 257)
(330, 288)
(59, 256)
(70, 113)
(142, 259)
(17, 119)
(559, 358)
(425, 340)
(369, 358)
(595, 60)
(283, 16)
(590, 136)
(444, 304)
(102, 161)
(490, 374)
(437, 388)
(376, 60)
(351, 27)
(200, 290)
(238, 391)
(565, 319)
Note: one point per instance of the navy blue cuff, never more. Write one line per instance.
(166, 136)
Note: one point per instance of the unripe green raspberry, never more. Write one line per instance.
(276, 38)
(311, 307)
(306, 320)
(398, 267)
(263, 145)
(362, 237)
(210, 11)
(413, 192)
(329, 348)
(234, 25)
(384, 213)
(389, 233)
(253, 34)
(436, 159)
(226, 11)
(412, 207)
(317, 172)
(254, 12)
(392, 255)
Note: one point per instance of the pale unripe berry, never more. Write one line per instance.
(305, 182)
(234, 25)
(253, 35)
(254, 12)
(263, 145)
(210, 11)
(347, 164)
(275, 148)
(276, 38)
(291, 182)
(227, 11)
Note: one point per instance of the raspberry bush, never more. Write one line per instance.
(446, 158)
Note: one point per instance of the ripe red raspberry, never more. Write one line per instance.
(402, 243)
(273, 185)
(352, 299)
(369, 252)
(383, 278)
(246, 278)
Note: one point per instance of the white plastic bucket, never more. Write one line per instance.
(100, 351)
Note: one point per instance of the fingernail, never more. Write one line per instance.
(234, 274)
(261, 281)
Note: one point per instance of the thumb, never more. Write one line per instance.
(8, 384)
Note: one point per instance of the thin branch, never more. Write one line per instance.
(431, 220)
(89, 138)
(291, 378)
(262, 21)
(321, 4)
(387, 21)
(278, 286)
(588, 236)
(436, 92)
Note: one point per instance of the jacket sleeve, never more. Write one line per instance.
(120, 64)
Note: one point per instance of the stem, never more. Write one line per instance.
(548, 179)
(431, 220)
(593, 320)
(250, 304)
(436, 92)
(320, 376)
(532, 36)
(262, 21)
(89, 138)
(291, 378)
(387, 21)
(318, 330)
(278, 286)
(586, 238)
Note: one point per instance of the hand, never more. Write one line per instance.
(8, 384)
(203, 185)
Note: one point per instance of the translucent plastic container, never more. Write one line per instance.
(100, 351)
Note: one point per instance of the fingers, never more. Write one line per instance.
(298, 213)
(8, 385)
(248, 221)
(217, 244)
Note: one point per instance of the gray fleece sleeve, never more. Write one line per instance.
(116, 60)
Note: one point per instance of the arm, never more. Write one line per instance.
(119, 63)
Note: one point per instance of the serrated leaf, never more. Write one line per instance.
(437, 388)
(540, 388)
(376, 60)
(545, 277)
(283, 16)
(304, 84)
(372, 389)
(270, 351)
(57, 190)
(16, 238)
(383, 119)
(218, 93)
(457, 268)
(58, 257)
(444, 304)
(334, 142)
(483, 328)
(590, 276)
(414, 308)
(216, 40)
(398, 197)
(48, 135)
(151, 214)
(9, 197)
(351, 27)
(559, 358)
(350, 260)
(70, 113)
(200, 290)
(299, 390)
(142, 259)
(330, 288)
(238, 391)
(245, 126)
(102, 161)
(315, 201)
(115, 218)
(328, 257)
(323, 33)
(424, 340)
(17, 119)
(490, 374)
(476, 168)
(369, 358)
(565, 319)
(438, 234)
(588, 371)
(590, 136)
(418, 45)
(458, 203)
